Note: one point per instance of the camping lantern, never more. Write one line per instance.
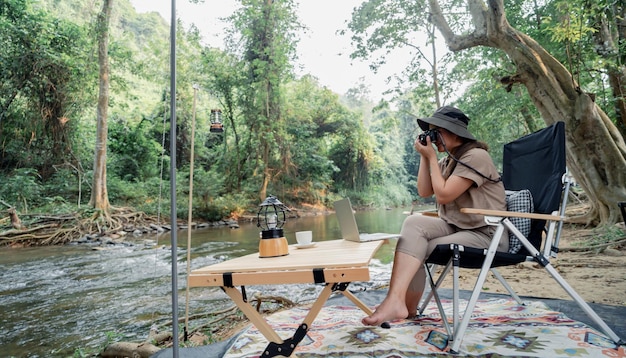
(216, 121)
(271, 218)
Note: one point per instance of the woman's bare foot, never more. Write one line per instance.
(388, 310)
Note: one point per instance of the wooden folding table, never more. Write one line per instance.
(335, 263)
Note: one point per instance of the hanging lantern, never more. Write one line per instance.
(216, 121)
(271, 218)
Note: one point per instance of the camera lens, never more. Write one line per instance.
(432, 133)
(422, 139)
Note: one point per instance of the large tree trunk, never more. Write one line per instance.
(99, 194)
(596, 153)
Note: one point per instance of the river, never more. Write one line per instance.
(57, 301)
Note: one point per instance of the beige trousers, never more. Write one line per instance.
(421, 234)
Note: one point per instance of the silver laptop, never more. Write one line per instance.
(349, 228)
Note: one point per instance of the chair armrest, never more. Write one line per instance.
(511, 214)
(425, 213)
(433, 214)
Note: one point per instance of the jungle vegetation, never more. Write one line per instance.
(514, 67)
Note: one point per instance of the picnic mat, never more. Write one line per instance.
(499, 328)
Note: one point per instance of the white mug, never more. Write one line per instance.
(304, 237)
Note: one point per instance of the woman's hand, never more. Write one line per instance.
(426, 151)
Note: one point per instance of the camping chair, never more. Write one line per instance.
(534, 175)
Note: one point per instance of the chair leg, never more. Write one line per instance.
(429, 269)
(506, 285)
(435, 295)
(471, 304)
(543, 261)
(456, 262)
(584, 305)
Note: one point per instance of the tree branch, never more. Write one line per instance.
(498, 15)
(478, 37)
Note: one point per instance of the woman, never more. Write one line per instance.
(467, 177)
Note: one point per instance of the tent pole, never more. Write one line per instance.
(190, 210)
(173, 180)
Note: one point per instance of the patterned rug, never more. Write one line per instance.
(499, 328)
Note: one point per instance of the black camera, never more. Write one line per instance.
(432, 133)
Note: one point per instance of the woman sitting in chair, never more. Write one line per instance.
(466, 178)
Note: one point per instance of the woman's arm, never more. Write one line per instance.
(424, 185)
(430, 180)
(448, 190)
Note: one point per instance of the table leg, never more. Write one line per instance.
(360, 304)
(318, 304)
(276, 344)
(357, 302)
(255, 317)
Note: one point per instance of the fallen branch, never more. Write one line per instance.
(277, 299)
(209, 324)
(159, 338)
(201, 315)
(127, 349)
(19, 233)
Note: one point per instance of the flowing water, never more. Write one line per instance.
(56, 301)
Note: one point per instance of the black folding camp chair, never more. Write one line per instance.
(534, 175)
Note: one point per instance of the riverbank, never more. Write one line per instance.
(84, 227)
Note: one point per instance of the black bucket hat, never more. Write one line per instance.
(449, 118)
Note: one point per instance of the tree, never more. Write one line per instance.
(99, 195)
(592, 138)
(588, 27)
(43, 68)
(267, 31)
(381, 26)
(225, 80)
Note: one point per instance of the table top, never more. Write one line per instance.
(325, 254)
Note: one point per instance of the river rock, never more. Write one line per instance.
(157, 228)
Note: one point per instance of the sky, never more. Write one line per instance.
(321, 52)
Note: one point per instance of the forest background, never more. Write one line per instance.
(287, 135)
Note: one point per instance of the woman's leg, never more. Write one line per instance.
(402, 298)
(393, 306)
(480, 238)
(419, 236)
(416, 234)
(415, 291)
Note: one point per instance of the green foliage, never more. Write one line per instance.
(123, 192)
(300, 140)
(135, 153)
(111, 337)
(602, 237)
(43, 69)
(156, 196)
(585, 37)
(22, 189)
(219, 208)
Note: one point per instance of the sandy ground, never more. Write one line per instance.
(598, 277)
